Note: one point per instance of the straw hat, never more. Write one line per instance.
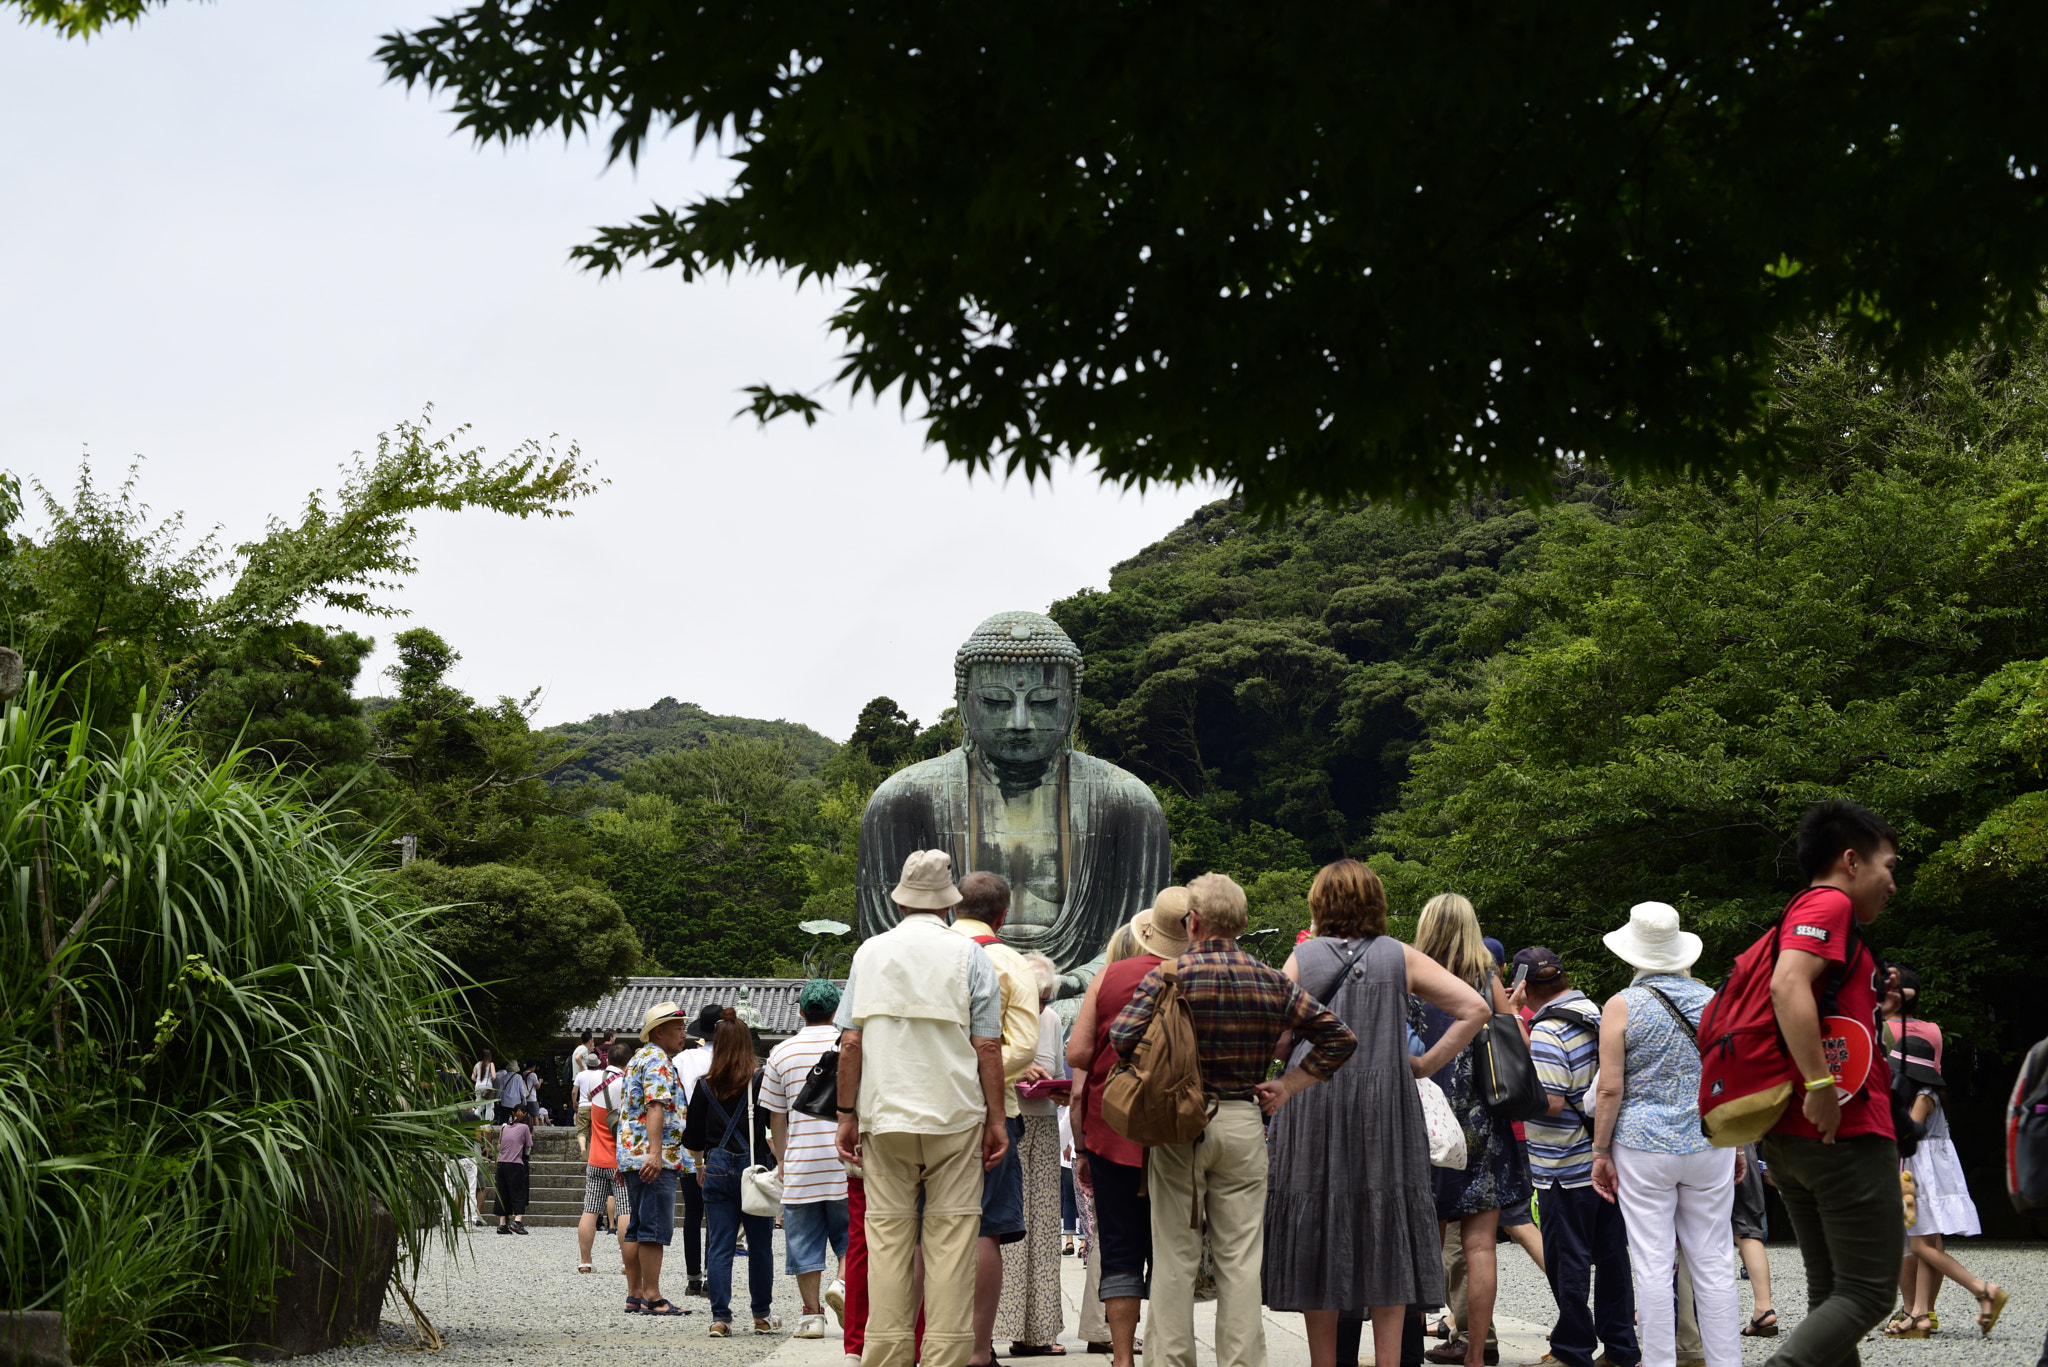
(661, 1013)
(1162, 928)
(927, 882)
(1652, 940)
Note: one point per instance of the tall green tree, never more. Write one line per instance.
(1323, 250)
(712, 890)
(473, 780)
(1669, 690)
(109, 602)
(530, 948)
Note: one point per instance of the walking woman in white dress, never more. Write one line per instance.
(1942, 1199)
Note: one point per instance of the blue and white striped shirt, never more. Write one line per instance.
(1567, 1056)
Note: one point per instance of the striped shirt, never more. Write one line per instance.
(1567, 1057)
(811, 1170)
(1240, 1007)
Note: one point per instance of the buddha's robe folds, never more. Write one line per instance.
(1084, 851)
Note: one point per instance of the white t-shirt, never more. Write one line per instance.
(1066, 1137)
(811, 1170)
(690, 1065)
(580, 1059)
(587, 1081)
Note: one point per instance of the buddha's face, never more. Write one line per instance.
(1018, 713)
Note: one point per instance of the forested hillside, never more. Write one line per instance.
(610, 742)
(1630, 693)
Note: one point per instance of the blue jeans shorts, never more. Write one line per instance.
(1002, 1192)
(654, 1207)
(809, 1231)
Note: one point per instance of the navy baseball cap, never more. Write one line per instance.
(1544, 965)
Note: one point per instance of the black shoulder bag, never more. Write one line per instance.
(1502, 1073)
(819, 1096)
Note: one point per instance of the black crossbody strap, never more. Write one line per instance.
(1691, 1032)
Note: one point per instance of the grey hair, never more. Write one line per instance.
(1048, 975)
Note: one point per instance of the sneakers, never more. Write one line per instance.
(807, 1327)
(696, 1288)
(773, 1324)
(835, 1299)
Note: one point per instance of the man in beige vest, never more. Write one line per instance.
(920, 1059)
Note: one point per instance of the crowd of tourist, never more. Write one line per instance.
(1354, 1155)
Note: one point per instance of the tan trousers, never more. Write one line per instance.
(1228, 1166)
(947, 1169)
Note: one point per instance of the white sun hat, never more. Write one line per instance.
(1652, 940)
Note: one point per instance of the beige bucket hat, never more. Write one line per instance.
(927, 882)
(660, 1014)
(1162, 928)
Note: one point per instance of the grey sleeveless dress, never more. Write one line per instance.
(1350, 1207)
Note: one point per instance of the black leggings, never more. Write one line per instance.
(693, 1223)
(512, 1187)
(1351, 1332)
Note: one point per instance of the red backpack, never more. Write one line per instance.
(1747, 1077)
(2026, 1135)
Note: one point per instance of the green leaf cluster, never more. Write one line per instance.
(1320, 251)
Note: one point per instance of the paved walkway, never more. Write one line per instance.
(520, 1301)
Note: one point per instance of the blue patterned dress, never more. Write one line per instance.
(1496, 1173)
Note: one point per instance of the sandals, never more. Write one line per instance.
(1038, 1350)
(1996, 1296)
(636, 1305)
(720, 1329)
(771, 1325)
(1904, 1326)
(1759, 1330)
(665, 1308)
(1441, 1329)
(583, 1267)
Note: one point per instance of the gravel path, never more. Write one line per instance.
(521, 1301)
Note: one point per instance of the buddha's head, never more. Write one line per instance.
(1017, 680)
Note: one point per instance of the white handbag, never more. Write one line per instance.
(1446, 1135)
(761, 1189)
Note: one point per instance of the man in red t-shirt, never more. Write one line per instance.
(1833, 1156)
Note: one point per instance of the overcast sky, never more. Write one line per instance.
(233, 250)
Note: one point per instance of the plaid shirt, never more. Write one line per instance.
(1240, 1007)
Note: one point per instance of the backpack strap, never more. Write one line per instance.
(986, 940)
(1570, 1015)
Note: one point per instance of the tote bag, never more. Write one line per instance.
(1446, 1135)
(760, 1188)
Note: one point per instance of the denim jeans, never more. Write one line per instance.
(722, 1222)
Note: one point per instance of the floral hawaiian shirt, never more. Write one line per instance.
(651, 1080)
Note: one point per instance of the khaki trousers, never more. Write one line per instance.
(946, 1168)
(1228, 1166)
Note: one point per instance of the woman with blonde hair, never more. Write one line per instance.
(1496, 1172)
(1351, 1220)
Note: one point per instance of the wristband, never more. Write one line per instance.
(844, 1110)
(1603, 1151)
(1817, 1084)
